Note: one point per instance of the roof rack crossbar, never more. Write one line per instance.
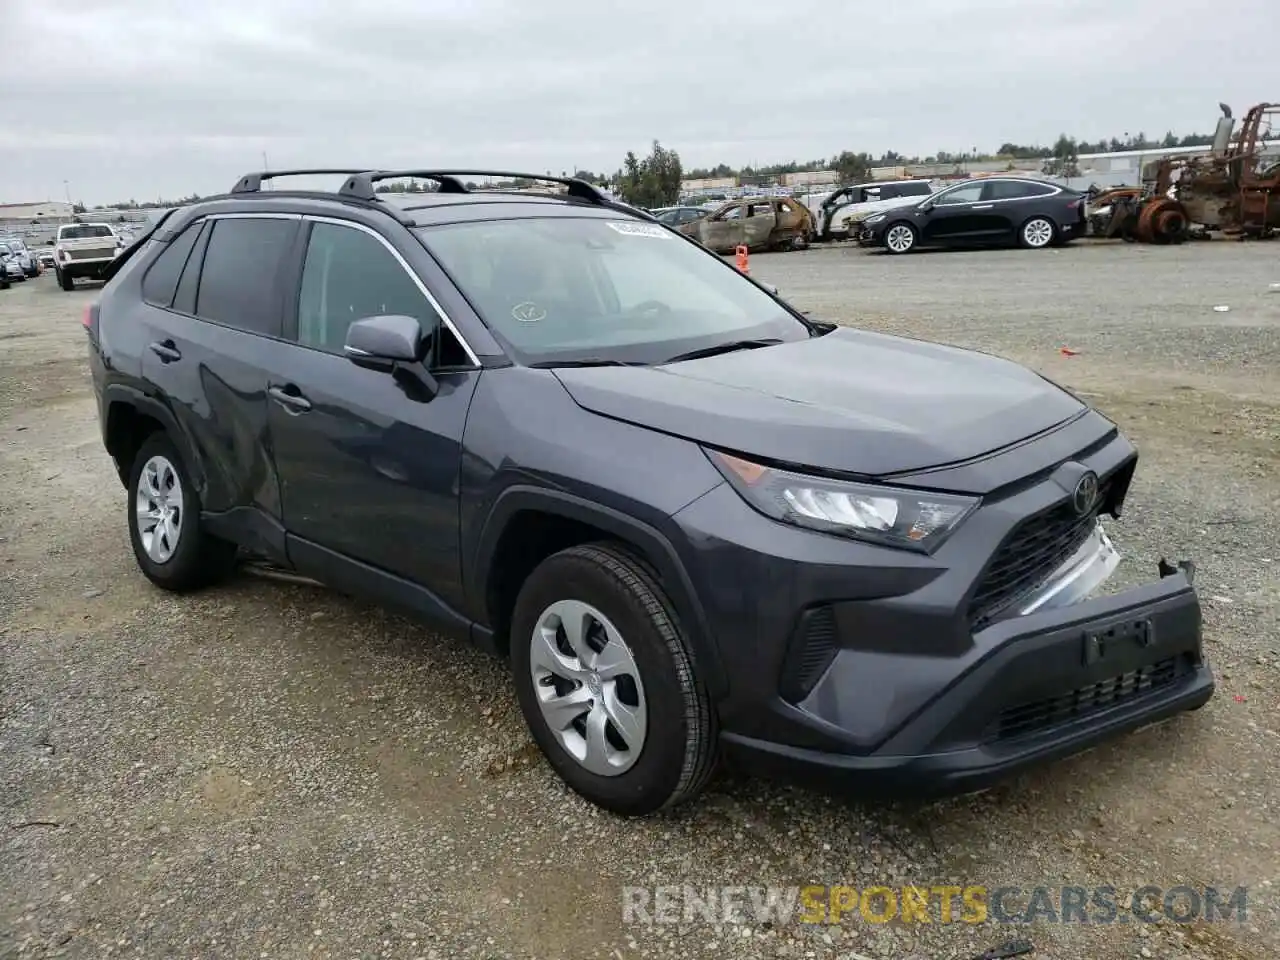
(252, 182)
(360, 184)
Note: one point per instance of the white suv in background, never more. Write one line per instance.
(851, 204)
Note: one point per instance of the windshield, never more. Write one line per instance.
(84, 231)
(14, 244)
(564, 289)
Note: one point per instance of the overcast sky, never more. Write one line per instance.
(147, 98)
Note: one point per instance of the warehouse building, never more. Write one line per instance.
(40, 210)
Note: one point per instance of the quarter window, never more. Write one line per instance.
(161, 280)
(349, 275)
(238, 281)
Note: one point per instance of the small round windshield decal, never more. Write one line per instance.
(528, 312)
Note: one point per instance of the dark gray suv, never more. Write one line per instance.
(696, 521)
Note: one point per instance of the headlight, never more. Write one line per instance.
(876, 218)
(914, 519)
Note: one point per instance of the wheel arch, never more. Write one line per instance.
(129, 417)
(567, 520)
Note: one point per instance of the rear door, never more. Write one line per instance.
(368, 470)
(213, 331)
(1005, 206)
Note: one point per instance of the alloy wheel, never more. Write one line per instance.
(900, 238)
(1038, 232)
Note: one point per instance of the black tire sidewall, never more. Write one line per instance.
(655, 777)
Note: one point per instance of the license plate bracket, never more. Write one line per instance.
(1099, 642)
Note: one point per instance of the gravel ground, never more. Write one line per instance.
(267, 770)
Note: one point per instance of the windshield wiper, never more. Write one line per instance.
(720, 348)
(587, 362)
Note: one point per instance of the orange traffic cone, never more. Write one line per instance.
(741, 251)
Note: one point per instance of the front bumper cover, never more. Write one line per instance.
(1055, 682)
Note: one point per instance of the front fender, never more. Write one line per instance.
(651, 543)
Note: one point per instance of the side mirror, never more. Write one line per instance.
(927, 206)
(393, 344)
(385, 340)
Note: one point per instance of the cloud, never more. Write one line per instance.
(164, 97)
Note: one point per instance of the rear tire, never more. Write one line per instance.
(1037, 233)
(169, 544)
(665, 745)
(66, 281)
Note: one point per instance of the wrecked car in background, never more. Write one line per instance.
(758, 223)
(851, 205)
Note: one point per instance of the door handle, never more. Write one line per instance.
(165, 350)
(293, 402)
(985, 206)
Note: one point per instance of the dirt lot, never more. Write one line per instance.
(269, 770)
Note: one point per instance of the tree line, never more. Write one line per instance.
(654, 180)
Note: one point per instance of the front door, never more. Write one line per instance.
(953, 217)
(368, 470)
(722, 231)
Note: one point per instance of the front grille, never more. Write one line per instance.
(95, 253)
(810, 652)
(1031, 718)
(1029, 555)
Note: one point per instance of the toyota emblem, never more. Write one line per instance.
(1086, 493)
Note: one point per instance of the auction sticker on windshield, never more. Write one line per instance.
(640, 230)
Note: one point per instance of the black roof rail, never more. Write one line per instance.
(252, 182)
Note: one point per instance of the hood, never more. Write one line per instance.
(863, 210)
(850, 402)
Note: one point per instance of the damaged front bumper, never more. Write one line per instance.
(1063, 672)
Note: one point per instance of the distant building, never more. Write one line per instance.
(810, 178)
(708, 184)
(44, 210)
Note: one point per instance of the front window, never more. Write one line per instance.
(969, 193)
(562, 289)
(84, 231)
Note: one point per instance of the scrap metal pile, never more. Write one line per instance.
(1233, 189)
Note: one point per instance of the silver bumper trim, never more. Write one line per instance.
(1078, 577)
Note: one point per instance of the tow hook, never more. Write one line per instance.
(1167, 569)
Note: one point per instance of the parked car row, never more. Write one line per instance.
(899, 216)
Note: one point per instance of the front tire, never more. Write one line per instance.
(606, 683)
(170, 546)
(1037, 233)
(900, 238)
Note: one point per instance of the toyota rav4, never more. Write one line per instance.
(696, 521)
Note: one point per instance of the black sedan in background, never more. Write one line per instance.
(992, 210)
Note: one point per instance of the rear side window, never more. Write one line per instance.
(161, 281)
(1015, 190)
(238, 278)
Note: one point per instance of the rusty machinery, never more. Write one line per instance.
(1231, 189)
